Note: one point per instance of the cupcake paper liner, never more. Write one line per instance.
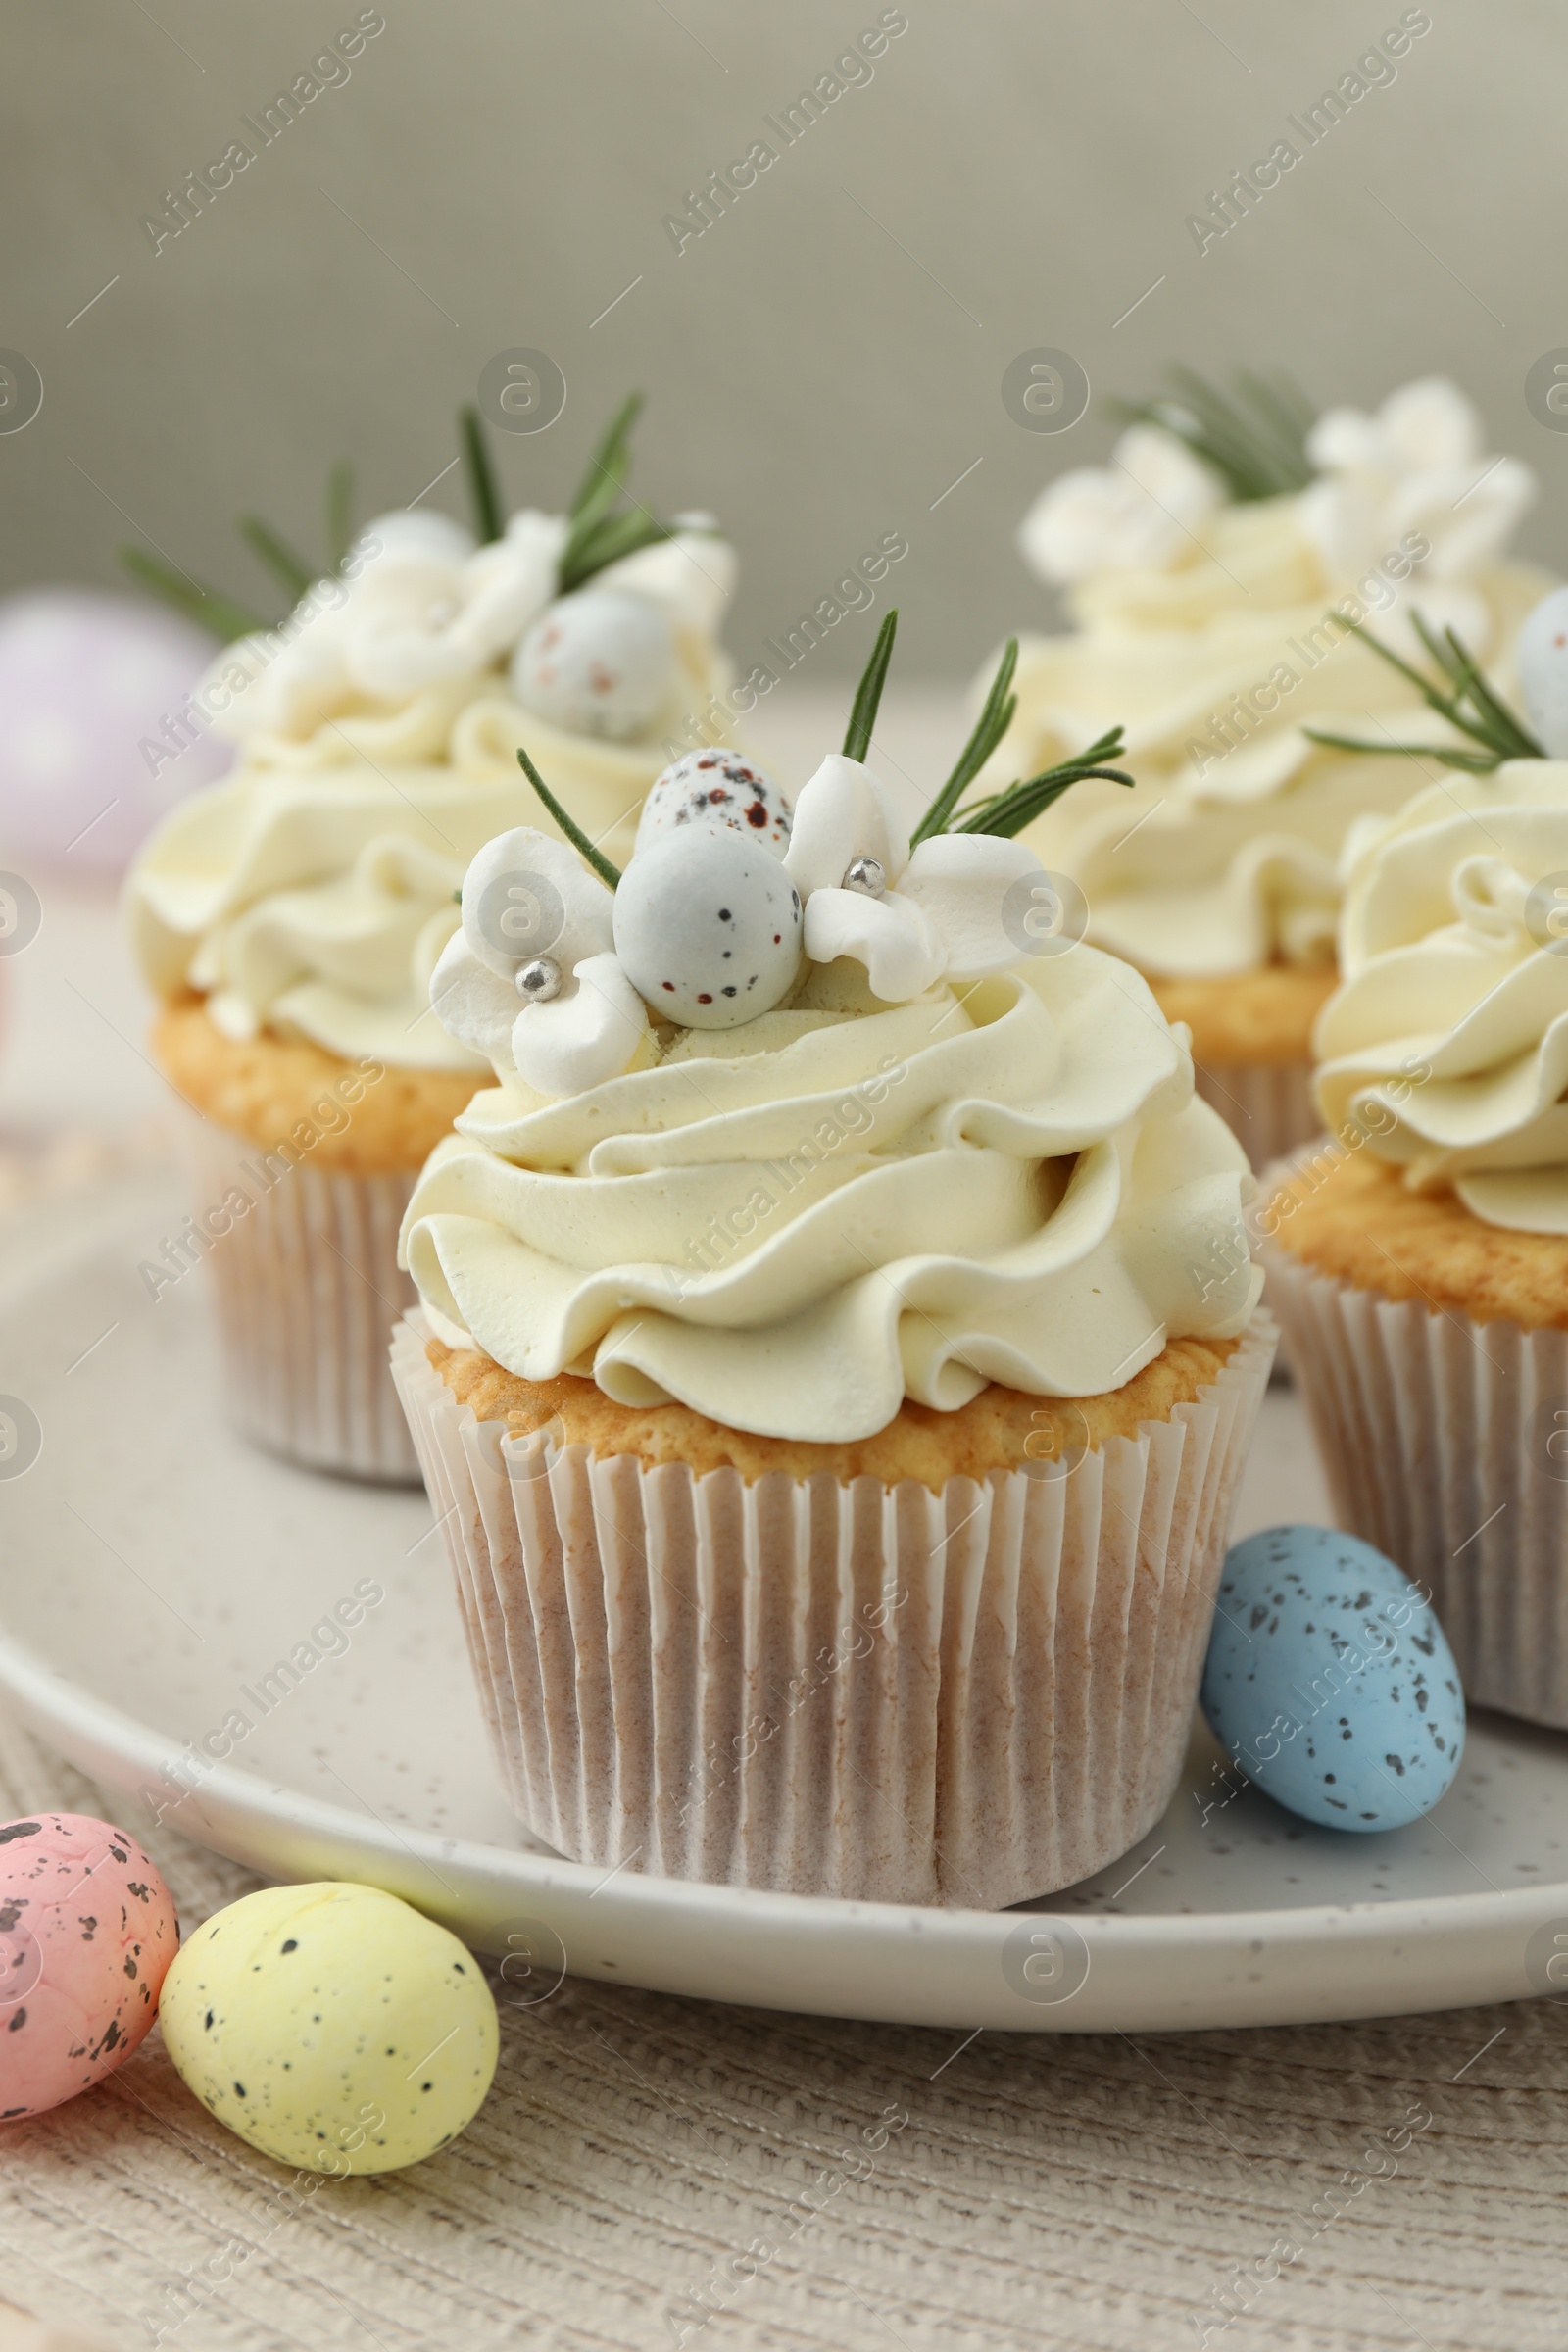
(1445, 1445)
(307, 1288)
(825, 1688)
(1267, 1105)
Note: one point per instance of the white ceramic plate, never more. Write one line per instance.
(153, 1569)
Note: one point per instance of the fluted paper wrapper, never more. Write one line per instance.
(307, 1288)
(965, 1697)
(1445, 1445)
(1267, 1105)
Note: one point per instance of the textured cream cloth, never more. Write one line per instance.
(1092, 2191)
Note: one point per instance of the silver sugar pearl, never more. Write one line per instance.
(538, 980)
(866, 875)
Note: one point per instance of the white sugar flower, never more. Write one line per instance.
(911, 919)
(1418, 466)
(421, 616)
(1136, 512)
(531, 980)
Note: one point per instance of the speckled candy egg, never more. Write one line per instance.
(599, 662)
(708, 928)
(332, 2027)
(716, 788)
(1542, 658)
(1330, 1680)
(87, 1932)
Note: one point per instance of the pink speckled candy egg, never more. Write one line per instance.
(87, 1932)
(88, 683)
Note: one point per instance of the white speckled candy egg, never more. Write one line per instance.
(716, 788)
(1542, 658)
(1331, 1681)
(87, 1932)
(332, 2027)
(599, 662)
(708, 928)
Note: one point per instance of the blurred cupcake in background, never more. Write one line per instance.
(1206, 571)
(290, 917)
(1418, 1256)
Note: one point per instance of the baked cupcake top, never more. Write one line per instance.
(791, 1120)
(1203, 568)
(311, 891)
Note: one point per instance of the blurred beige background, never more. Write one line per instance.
(827, 358)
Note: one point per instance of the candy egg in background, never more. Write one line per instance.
(332, 2027)
(716, 788)
(87, 1933)
(86, 681)
(708, 928)
(1542, 658)
(1330, 1680)
(600, 662)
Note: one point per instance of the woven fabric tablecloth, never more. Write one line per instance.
(650, 2172)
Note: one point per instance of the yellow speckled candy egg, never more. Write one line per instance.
(332, 2027)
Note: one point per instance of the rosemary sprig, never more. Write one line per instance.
(209, 607)
(339, 513)
(599, 534)
(289, 569)
(1254, 437)
(1009, 811)
(1470, 703)
(989, 729)
(226, 616)
(483, 495)
(868, 693)
(574, 833)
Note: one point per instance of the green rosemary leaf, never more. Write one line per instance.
(290, 569)
(614, 537)
(989, 729)
(869, 694)
(1511, 732)
(488, 522)
(574, 833)
(339, 514)
(1446, 755)
(207, 607)
(608, 468)
(1007, 813)
(1254, 437)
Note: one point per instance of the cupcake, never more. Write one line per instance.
(289, 917)
(837, 1350)
(1206, 571)
(1418, 1257)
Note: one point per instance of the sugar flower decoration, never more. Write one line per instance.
(531, 980)
(726, 893)
(914, 917)
(1136, 513)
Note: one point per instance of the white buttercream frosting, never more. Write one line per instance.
(794, 1225)
(1447, 1043)
(312, 891)
(1200, 627)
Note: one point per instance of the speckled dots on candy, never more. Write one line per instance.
(716, 787)
(87, 1932)
(333, 2026)
(1331, 1681)
(708, 928)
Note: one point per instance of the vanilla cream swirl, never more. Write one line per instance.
(1446, 1044)
(1204, 629)
(1225, 857)
(793, 1226)
(311, 892)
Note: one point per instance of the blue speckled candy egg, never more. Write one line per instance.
(1330, 1680)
